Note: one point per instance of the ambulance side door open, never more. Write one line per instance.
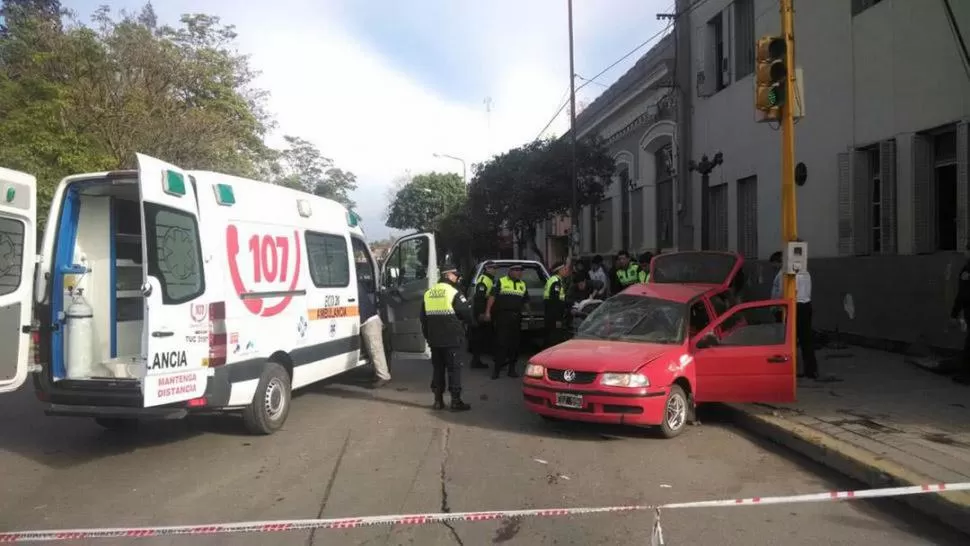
(411, 268)
(175, 333)
(18, 228)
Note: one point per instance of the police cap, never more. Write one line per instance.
(449, 267)
(557, 267)
(489, 264)
(515, 267)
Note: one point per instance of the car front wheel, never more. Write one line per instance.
(675, 412)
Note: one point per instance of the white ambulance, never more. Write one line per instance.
(160, 292)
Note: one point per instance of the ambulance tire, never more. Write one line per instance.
(271, 403)
(117, 424)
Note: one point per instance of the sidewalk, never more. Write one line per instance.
(887, 423)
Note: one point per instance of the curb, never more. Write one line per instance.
(952, 509)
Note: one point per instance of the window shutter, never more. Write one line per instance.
(887, 172)
(924, 208)
(963, 199)
(861, 203)
(846, 244)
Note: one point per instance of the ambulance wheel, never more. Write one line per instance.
(675, 413)
(117, 424)
(271, 404)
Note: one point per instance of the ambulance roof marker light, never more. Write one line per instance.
(224, 195)
(10, 194)
(353, 219)
(173, 183)
(303, 207)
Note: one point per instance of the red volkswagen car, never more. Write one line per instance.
(646, 356)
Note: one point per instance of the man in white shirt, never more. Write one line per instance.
(597, 273)
(803, 316)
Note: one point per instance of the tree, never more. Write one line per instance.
(425, 200)
(302, 166)
(530, 184)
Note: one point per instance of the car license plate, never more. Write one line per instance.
(574, 401)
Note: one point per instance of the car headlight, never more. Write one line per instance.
(634, 380)
(535, 370)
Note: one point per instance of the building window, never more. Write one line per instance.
(859, 6)
(604, 226)
(665, 198)
(715, 33)
(867, 200)
(718, 227)
(945, 182)
(875, 199)
(744, 41)
(636, 218)
(748, 217)
(624, 182)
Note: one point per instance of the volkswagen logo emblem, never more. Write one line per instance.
(569, 376)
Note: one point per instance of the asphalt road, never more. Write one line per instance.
(348, 451)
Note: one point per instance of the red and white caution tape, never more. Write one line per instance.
(424, 519)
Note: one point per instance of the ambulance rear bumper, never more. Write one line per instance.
(145, 414)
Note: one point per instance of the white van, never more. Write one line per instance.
(159, 292)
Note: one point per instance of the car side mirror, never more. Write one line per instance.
(710, 340)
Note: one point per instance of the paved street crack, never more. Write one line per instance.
(329, 488)
(445, 508)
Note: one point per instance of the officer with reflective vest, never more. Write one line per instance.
(444, 314)
(625, 273)
(504, 310)
(480, 338)
(644, 274)
(554, 305)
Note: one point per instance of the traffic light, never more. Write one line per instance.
(771, 73)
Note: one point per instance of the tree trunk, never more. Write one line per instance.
(534, 246)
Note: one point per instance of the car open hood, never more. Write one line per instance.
(696, 267)
(593, 355)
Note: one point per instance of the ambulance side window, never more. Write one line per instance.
(11, 254)
(328, 259)
(174, 253)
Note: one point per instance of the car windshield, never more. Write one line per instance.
(636, 318)
(531, 274)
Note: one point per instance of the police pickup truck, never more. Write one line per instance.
(534, 274)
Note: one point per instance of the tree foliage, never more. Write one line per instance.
(79, 98)
(424, 201)
(525, 186)
(303, 167)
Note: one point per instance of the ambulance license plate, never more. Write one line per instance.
(574, 401)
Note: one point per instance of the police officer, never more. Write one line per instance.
(480, 340)
(960, 312)
(554, 305)
(504, 310)
(625, 274)
(442, 314)
(643, 277)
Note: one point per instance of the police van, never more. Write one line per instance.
(160, 292)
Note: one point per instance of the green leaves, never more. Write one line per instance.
(425, 200)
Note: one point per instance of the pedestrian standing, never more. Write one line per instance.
(804, 334)
(444, 313)
(504, 310)
(643, 277)
(597, 273)
(481, 334)
(372, 330)
(554, 305)
(960, 313)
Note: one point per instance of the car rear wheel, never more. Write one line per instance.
(269, 408)
(675, 412)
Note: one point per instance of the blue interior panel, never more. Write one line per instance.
(63, 265)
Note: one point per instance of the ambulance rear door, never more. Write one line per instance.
(18, 228)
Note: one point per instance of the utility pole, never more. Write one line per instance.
(789, 219)
(705, 167)
(574, 216)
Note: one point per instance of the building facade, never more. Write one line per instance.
(885, 206)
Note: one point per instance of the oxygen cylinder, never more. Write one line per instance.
(79, 337)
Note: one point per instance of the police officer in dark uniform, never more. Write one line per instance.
(504, 310)
(444, 313)
(960, 313)
(554, 305)
(480, 338)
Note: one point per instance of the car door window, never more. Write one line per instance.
(407, 263)
(699, 318)
(765, 325)
(721, 303)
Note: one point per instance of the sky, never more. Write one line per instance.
(380, 86)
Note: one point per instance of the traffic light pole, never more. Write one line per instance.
(789, 224)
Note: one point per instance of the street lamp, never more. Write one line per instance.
(464, 169)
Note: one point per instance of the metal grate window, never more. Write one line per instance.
(748, 217)
(665, 198)
(718, 224)
(744, 40)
